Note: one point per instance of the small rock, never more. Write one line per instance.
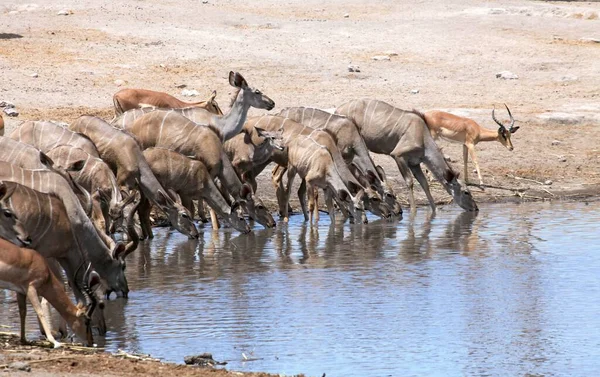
(414, 91)
(11, 112)
(6, 104)
(556, 142)
(346, 15)
(119, 82)
(181, 86)
(189, 93)
(34, 75)
(557, 38)
(548, 182)
(64, 12)
(562, 159)
(590, 40)
(203, 360)
(506, 75)
(20, 365)
(566, 78)
(353, 68)
(448, 158)
(204, 1)
(381, 57)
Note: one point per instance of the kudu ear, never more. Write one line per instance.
(76, 166)
(344, 196)
(237, 80)
(353, 187)
(93, 280)
(450, 175)
(361, 195)
(213, 95)
(165, 198)
(235, 206)
(372, 177)
(380, 172)
(514, 129)
(246, 191)
(6, 189)
(118, 251)
(46, 160)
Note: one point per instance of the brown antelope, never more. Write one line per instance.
(228, 125)
(351, 145)
(170, 130)
(11, 228)
(109, 264)
(467, 132)
(404, 136)
(26, 272)
(127, 99)
(291, 129)
(121, 151)
(47, 135)
(97, 178)
(190, 180)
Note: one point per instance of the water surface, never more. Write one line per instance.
(513, 290)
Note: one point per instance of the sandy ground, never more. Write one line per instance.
(57, 67)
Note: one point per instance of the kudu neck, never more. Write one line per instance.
(232, 123)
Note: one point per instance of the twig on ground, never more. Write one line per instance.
(126, 355)
(525, 179)
(498, 187)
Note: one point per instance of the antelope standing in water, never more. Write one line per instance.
(467, 132)
(170, 130)
(351, 146)
(190, 180)
(127, 99)
(227, 125)
(404, 136)
(121, 151)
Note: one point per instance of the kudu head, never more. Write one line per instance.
(82, 326)
(354, 204)
(236, 220)
(180, 217)
(250, 96)
(116, 209)
(372, 200)
(273, 138)
(11, 228)
(389, 197)
(255, 207)
(459, 191)
(503, 133)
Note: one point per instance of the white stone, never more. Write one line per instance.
(590, 40)
(119, 82)
(548, 182)
(353, 68)
(556, 142)
(414, 91)
(562, 159)
(506, 75)
(189, 93)
(346, 15)
(381, 57)
(34, 75)
(64, 12)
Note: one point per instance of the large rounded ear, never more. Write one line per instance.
(246, 191)
(353, 187)
(118, 250)
(44, 159)
(361, 194)
(93, 280)
(165, 199)
(514, 129)
(237, 80)
(372, 177)
(380, 172)
(76, 166)
(6, 189)
(449, 175)
(344, 196)
(235, 206)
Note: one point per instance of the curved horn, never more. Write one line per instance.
(496, 120)
(512, 120)
(134, 238)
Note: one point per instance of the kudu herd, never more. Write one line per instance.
(64, 191)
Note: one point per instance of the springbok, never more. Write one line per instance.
(27, 273)
(404, 136)
(122, 153)
(127, 99)
(467, 132)
(97, 178)
(351, 145)
(170, 130)
(291, 129)
(109, 264)
(47, 135)
(190, 180)
(228, 125)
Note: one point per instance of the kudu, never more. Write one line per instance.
(190, 180)
(467, 132)
(170, 130)
(97, 178)
(290, 130)
(228, 125)
(47, 135)
(121, 151)
(351, 146)
(27, 273)
(404, 136)
(127, 99)
(109, 264)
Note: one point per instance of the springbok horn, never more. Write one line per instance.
(496, 120)
(512, 120)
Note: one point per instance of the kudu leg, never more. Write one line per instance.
(465, 163)
(144, 215)
(302, 198)
(201, 211)
(291, 173)
(420, 176)
(313, 203)
(408, 179)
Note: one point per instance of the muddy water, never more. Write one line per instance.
(513, 290)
